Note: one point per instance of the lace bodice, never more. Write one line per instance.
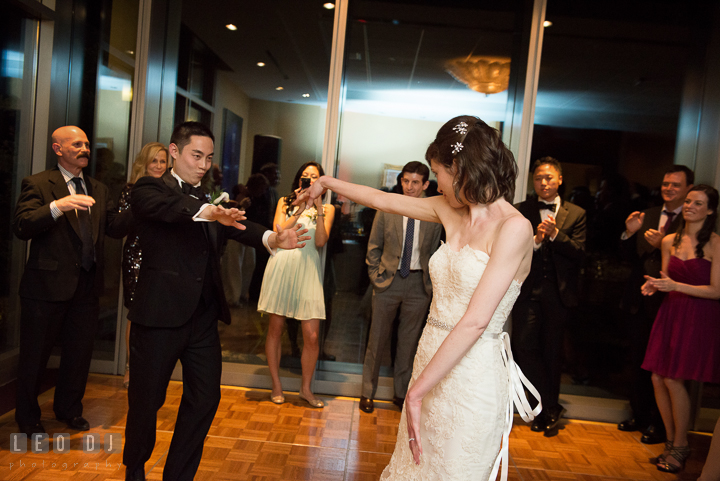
(455, 276)
(467, 414)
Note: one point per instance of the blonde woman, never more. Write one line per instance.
(152, 160)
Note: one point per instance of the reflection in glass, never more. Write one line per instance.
(609, 98)
(398, 94)
(281, 129)
(113, 102)
(16, 89)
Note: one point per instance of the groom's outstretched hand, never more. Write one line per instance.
(229, 217)
(412, 414)
(290, 238)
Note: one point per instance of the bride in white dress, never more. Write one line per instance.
(458, 410)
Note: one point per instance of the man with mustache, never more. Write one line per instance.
(66, 216)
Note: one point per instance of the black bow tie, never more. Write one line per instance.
(544, 205)
(194, 191)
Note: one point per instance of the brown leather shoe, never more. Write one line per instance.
(366, 405)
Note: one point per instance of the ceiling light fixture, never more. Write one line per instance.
(306, 95)
(547, 23)
(230, 26)
(329, 6)
(260, 64)
(488, 75)
(278, 88)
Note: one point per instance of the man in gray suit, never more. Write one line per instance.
(399, 250)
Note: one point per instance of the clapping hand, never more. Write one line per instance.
(664, 284)
(634, 222)
(545, 229)
(654, 237)
(413, 407)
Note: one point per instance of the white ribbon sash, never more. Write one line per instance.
(517, 383)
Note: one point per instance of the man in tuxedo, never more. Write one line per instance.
(550, 290)
(399, 250)
(66, 216)
(179, 299)
(640, 244)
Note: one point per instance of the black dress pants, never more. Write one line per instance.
(74, 322)
(153, 355)
(538, 329)
(642, 393)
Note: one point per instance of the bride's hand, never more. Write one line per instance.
(413, 408)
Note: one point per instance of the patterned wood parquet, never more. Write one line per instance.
(253, 439)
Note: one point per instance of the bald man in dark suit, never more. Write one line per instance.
(66, 216)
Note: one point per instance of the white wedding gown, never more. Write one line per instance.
(467, 416)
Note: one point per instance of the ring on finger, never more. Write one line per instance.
(411, 439)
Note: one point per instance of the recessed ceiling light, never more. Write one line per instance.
(131, 52)
(329, 5)
(547, 23)
(260, 64)
(278, 88)
(306, 95)
(230, 26)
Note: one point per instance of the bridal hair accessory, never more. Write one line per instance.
(462, 129)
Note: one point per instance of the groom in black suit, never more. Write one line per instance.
(551, 288)
(179, 299)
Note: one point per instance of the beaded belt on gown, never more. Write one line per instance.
(517, 382)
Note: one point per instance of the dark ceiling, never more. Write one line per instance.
(618, 65)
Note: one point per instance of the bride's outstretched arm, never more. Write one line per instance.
(511, 253)
(422, 209)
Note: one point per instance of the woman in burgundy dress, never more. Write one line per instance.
(685, 338)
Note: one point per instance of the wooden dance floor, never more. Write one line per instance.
(253, 439)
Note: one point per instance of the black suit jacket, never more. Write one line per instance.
(54, 263)
(644, 259)
(566, 252)
(176, 252)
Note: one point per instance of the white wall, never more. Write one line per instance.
(229, 96)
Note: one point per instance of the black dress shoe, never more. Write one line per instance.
(629, 425)
(136, 475)
(554, 417)
(538, 424)
(366, 405)
(399, 401)
(31, 429)
(653, 435)
(78, 422)
(326, 357)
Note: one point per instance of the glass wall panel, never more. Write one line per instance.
(17, 86)
(409, 67)
(270, 94)
(610, 95)
(115, 74)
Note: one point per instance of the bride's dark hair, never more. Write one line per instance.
(296, 184)
(486, 169)
(703, 235)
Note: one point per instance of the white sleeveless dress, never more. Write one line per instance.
(466, 418)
